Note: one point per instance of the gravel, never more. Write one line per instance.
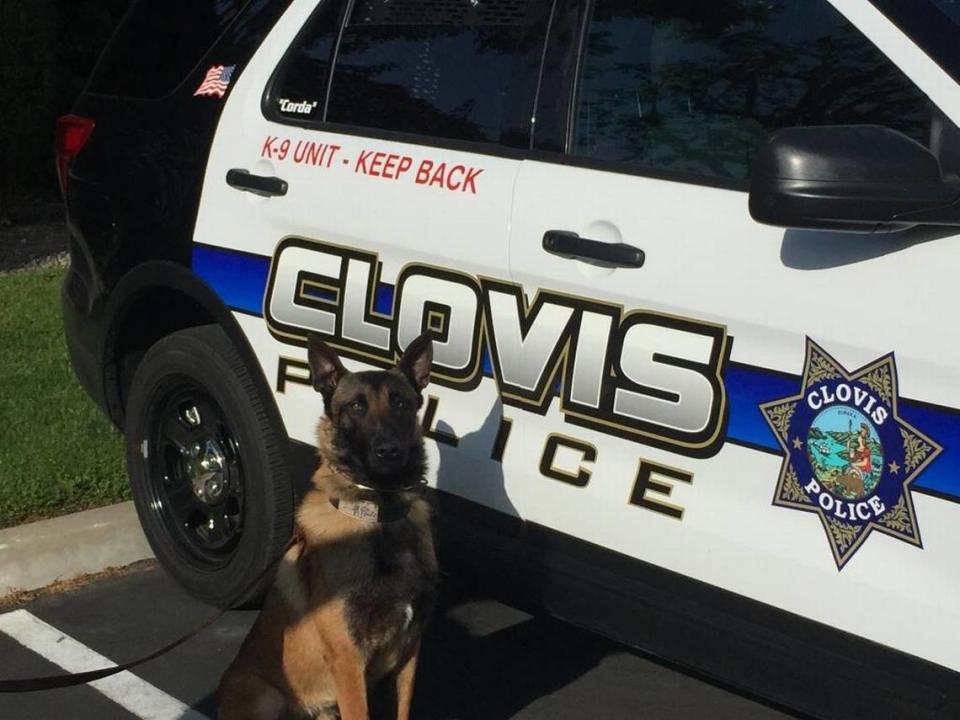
(28, 245)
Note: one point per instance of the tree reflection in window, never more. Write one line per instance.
(692, 87)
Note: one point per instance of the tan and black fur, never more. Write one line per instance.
(352, 595)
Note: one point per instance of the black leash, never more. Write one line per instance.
(51, 682)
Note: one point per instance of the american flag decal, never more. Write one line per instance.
(216, 81)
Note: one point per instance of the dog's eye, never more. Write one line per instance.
(357, 406)
(398, 402)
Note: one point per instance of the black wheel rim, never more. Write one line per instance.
(195, 473)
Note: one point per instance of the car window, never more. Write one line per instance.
(950, 8)
(458, 69)
(158, 44)
(691, 88)
(299, 88)
(934, 25)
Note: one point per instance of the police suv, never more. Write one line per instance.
(690, 267)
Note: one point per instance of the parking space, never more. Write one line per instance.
(481, 661)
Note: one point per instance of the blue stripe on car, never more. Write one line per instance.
(240, 280)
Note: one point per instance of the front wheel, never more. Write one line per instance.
(206, 467)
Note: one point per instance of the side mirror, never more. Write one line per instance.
(854, 178)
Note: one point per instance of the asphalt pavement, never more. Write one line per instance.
(481, 660)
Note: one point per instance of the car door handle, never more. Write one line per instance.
(256, 184)
(569, 245)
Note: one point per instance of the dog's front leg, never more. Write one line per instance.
(345, 662)
(405, 677)
(348, 676)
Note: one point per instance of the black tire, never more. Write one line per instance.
(206, 466)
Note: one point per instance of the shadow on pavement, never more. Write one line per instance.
(495, 676)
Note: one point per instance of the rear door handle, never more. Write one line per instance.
(256, 184)
(569, 245)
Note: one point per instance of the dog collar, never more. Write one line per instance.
(371, 509)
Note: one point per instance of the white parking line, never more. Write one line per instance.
(126, 689)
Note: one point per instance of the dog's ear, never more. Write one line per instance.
(416, 361)
(325, 367)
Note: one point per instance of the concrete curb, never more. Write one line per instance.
(35, 555)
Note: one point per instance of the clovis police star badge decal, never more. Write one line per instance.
(848, 455)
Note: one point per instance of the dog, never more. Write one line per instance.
(354, 589)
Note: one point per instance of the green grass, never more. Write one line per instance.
(58, 453)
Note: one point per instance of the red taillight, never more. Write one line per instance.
(73, 132)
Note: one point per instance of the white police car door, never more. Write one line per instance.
(363, 205)
(666, 404)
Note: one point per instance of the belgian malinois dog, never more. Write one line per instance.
(353, 591)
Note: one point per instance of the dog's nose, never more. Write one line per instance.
(387, 451)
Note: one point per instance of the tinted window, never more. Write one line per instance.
(444, 68)
(299, 88)
(950, 8)
(692, 87)
(159, 43)
(933, 24)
